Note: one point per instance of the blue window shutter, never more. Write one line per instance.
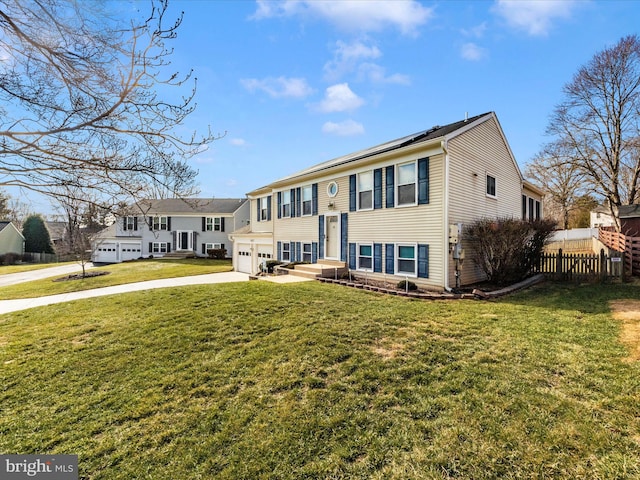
(377, 188)
(168, 224)
(321, 236)
(124, 223)
(389, 260)
(352, 193)
(168, 246)
(204, 248)
(314, 199)
(390, 175)
(314, 252)
(135, 223)
(258, 201)
(269, 208)
(345, 235)
(423, 261)
(222, 224)
(298, 202)
(279, 206)
(377, 257)
(150, 247)
(298, 251)
(352, 256)
(204, 224)
(279, 253)
(151, 224)
(423, 180)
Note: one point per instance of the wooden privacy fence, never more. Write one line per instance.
(623, 243)
(581, 267)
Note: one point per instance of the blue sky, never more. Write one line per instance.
(295, 83)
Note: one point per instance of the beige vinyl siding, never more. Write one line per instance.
(11, 241)
(472, 155)
(414, 224)
(261, 226)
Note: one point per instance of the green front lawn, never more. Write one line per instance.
(265, 381)
(120, 273)
(27, 267)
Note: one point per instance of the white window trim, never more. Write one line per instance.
(397, 260)
(158, 223)
(305, 252)
(358, 191)
(329, 185)
(264, 209)
(159, 247)
(283, 204)
(358, 267)
(486, 185)
(302, 189)
(396, 187)
(287, 250)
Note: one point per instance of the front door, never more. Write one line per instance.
(332, 236)
(184, 240)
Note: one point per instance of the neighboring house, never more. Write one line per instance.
(391, 211)
(57, 232)
(184, 226)
(629, 216)
(601, 217)
(11, 240)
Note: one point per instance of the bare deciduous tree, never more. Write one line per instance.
(561, 178)
(598, 123)
(85, 100)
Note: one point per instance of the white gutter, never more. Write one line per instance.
(445, 216)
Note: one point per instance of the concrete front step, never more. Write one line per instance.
(316, 270)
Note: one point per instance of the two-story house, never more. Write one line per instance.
(393, 211)
(161, 227)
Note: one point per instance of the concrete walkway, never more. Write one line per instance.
(8, 306)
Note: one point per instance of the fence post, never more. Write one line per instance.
(603, 266)
(559, 272)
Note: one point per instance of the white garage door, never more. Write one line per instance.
(106, 252)
(130, 251)
(244, 258)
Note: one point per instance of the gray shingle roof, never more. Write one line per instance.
(629, 211)
(3, 224)
(191, 205)
(423, 136)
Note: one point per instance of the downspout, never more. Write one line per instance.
(445, 216)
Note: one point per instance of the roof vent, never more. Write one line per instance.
(466, 116)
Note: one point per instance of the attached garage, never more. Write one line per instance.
(116, 252)
(244, 261)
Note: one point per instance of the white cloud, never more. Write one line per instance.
(377, 74)
(340, 98)
(534, 16)
(343, 129)
(346, 58)
(471, 51)
(478, 31)
(358, 15)
(237, 142)
(279, 87)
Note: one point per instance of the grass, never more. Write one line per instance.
(121, 273)
(264, 381)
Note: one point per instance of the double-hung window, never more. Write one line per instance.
(286, 203)
(213, 224)
(365, 191)
(264, 208)
(212, 246)
(159, 247)
(307, 197)
(286, 252)
(491, 186)
(406, 190)
(365, 257)
(160, 223)
(306, 252)
(406, 260)
(131, 223)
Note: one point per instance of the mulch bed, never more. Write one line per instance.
(79, 276)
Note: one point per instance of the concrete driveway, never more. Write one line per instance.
(8, 306)
(21, 277)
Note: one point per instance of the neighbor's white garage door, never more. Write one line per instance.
(130, 251)
(106, 252)
(244, 258)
